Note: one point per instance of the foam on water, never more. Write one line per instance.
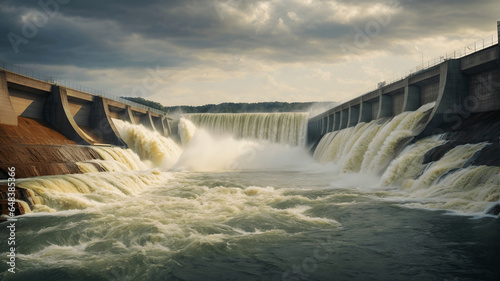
(370, 149)
(222, 196)
(149, 145)
(284, 128)
(207, 152)
(362, 157)
(79, 191)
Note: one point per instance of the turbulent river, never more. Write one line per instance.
(243, 199)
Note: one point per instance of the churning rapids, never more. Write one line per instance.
(242, 199)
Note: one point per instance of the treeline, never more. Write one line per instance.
(230, 107)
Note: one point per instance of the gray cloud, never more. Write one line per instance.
(175, 34)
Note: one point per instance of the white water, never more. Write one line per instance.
(78, 191)
(283, 128)
(186, 130)
(207, 152)
(360, 157)
(370, 149)
(244, 209)
(469, 190)
(149, 145)
(408, 165)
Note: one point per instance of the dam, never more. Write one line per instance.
(65, 116)
(460, 85)
(401, 183)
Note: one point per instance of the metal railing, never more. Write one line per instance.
(72, 85)
(454, 54)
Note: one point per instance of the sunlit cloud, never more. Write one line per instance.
(236, 50)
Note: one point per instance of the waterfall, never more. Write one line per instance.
(186, 130)
(448, 183)
(369, 147)
(283, 128)
(408, 165)
(119, 159)
(468, 190)
(120, 172)
(382, 149)
(78, 191)
(149, 145)
(453, 159)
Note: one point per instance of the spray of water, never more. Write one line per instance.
(149, 145)
(284, 128)
(362, 156)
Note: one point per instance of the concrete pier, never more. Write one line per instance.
(79, 116)
(470, 84)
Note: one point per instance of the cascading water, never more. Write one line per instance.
(370, 149)
(284, 128)
(186, 130)
(120, 172)
(408, 165)
(78, 191)
(252, 204)
(149, 145)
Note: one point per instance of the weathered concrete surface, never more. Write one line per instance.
(35, 149)
(147, 121)
(79, 116)
(27, 83)
(30, 132)
(484, 91)
(38, 160)
(471, 83)
(476, 128)
(103, 126)
(58, 115)
(7, 113)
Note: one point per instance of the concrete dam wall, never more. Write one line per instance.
(38, 120)
(435, 131)
(459, 88)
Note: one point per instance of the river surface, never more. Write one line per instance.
(256, 225)
(247, 210)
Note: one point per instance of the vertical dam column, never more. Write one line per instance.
(7, 114)
(353, 115)
(56, 112)
(385, 106)
(365, 113)
(147, 121)
(498, 30)
(412, 96)
(129, 116)
(451, 97)
(103, 126)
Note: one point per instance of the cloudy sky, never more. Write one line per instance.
(198, 52)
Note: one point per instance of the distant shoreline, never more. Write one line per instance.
(230, 107)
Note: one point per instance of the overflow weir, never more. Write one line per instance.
(446, 117)
(47, 129)
(66, 116)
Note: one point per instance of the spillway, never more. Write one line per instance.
(244, 200)
(284, 128)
